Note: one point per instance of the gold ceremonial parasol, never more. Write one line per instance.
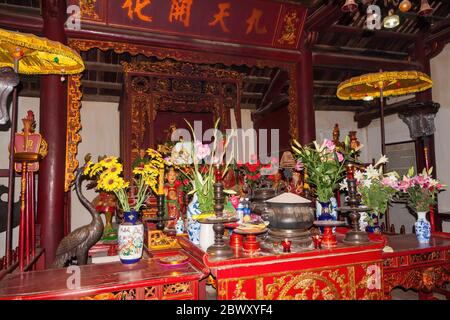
(29, 54)
(37, 55)
(383, 84)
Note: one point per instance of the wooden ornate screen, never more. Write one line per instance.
(187, 90)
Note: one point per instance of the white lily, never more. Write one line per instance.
(359, 175)
(343, 185)
(382, 160)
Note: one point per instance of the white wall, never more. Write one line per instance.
(440, 67)
(100, 136)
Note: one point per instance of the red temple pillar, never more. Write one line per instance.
(305, 94)
(53, 126)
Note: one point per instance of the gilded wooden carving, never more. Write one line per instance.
(73, 127)
(176, 288)
(201, 57)
(88, 9)
(338, 282)
(184, 87)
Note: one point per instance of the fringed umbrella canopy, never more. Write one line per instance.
(392, 83)
(37, 55)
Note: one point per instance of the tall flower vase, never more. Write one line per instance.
(423, 227)
(193, 226)
(131, 238)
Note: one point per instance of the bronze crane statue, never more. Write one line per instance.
(78, 242)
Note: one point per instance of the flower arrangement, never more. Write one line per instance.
(255, 173)
(108, 172)
(324, 164)
(197, 162)
(375, 188)
(421, 189)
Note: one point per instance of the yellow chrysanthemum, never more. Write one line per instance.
(153, 153)
(111, 183)
(138, 171)
(114, 169)
(87, 167)
(108, 162)
(96, 168)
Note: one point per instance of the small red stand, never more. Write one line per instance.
(250, 243)
(329, 239)
(236, 240)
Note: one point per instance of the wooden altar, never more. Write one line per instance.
(347, 272)
(412, 265)
(146, 280)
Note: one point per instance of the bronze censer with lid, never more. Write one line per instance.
(290, 217)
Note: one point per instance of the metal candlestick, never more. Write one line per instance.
(355, 235)
(160, 213)
(219, 250)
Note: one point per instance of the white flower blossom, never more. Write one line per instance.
(343, 185)
(382, 160)
(367, 183)
(372, 173)
(359, 175)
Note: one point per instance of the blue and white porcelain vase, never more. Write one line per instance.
(193, 226)
(323, 211)
(423, 227)
(179, 226)
(130, 238)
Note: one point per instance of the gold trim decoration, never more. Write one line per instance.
(290, 27)
(330, 282)
(238, 293)
(73, 137)
(176, 288)
(88, 9)
(393, 83)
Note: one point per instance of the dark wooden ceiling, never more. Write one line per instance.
(344, 48)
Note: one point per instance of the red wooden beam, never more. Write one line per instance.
(362, 62)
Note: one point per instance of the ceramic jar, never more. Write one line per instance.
(131, 238)
(193, 226)
(423, 227)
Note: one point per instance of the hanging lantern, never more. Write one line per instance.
(349, 6)
(425, 8)
(405, 6)
(391, 21)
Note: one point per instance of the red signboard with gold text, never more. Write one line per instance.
(254, 22)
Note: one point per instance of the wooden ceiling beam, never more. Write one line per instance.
(102, 85)
(335, 28)
(360, 50)
(364, 118)
(257, 79)
(251, 95)
(323, 17)
(103, 67)
(345, 61)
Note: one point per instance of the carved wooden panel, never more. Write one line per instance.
(178, 87)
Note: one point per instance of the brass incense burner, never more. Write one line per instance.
(290, 216)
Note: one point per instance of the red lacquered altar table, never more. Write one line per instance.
(146, 280)
(417, 266)
(344, 272)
